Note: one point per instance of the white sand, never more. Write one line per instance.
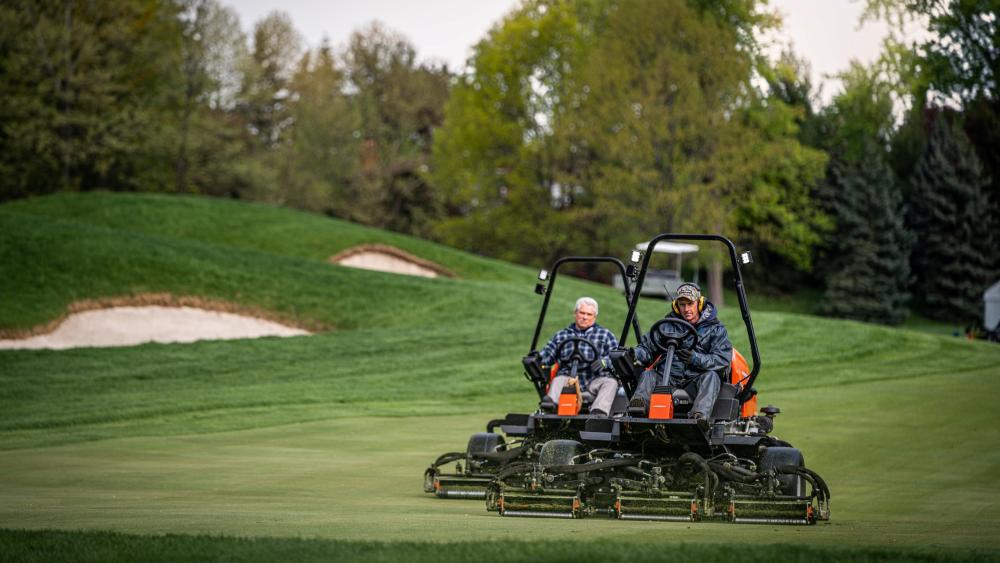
(373, 260)
(129, 326)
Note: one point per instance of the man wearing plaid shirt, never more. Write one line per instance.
(594, 374)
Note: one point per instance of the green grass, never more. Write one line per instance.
(246, 226)
(107, 547)
(312, 448)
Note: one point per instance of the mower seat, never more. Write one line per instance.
(682, 403)
(727, 406)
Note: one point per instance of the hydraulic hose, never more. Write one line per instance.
(711, 479)
(494, 423)
(735, 473)
(448, 458)
(585, 467)
(514, 469)
(817, 482)
(636, 471)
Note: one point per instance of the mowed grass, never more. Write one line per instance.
(313, 447)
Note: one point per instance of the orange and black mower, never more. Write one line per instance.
(649, 464)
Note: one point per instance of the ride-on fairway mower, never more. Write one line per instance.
(649, 465)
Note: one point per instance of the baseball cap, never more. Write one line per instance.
(688, 291)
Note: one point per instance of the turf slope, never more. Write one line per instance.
(325, 437)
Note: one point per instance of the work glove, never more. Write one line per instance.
(690, 357)
(599, 365)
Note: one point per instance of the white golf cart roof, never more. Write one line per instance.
(668, 247)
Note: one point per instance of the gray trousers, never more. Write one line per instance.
(603, 389)
(703, 386)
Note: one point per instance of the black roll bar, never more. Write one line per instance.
(553, 272)
(740, 295)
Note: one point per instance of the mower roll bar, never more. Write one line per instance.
(740, 295)
(553, 272)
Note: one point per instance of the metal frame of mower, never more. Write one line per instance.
(487, 453)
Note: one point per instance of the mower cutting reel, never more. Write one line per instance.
(475, 468)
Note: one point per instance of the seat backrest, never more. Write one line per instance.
(739, 369)
(727, 406)
(740, 375)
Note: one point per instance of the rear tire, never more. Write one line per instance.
(484, 443)
(792, 485)
(559, 452)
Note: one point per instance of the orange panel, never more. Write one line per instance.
(661, 406)
(740, 369)
(569, 405)
(740, 375)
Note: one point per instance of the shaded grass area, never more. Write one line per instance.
(48, 264)
(245, 226)
(56, 546)
(807, 302)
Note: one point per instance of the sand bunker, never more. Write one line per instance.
(389, 259)
(129, 326)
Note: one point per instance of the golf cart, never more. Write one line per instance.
(665, 281)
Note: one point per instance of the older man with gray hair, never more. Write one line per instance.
(595, 374)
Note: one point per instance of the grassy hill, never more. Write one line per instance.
(326, 436)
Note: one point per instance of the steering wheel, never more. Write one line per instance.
(573, 347)
(672, 330)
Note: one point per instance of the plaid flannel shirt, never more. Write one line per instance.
(602, 339)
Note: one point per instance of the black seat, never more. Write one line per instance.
(682, 403)
(727, 406)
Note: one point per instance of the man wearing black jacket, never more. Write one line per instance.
(696, 370)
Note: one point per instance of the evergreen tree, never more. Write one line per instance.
(870, 271)
(83, 86)
(954, 259)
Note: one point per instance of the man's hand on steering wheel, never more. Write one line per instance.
(672, 330)
(600, 365)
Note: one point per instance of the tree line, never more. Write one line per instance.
(578, 126)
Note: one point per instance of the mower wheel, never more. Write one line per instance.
(484, 443)
(792, 485)
(560, 452)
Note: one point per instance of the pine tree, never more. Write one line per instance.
(870, 270)
(957, 242)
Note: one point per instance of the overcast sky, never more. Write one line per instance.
(825, 32)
